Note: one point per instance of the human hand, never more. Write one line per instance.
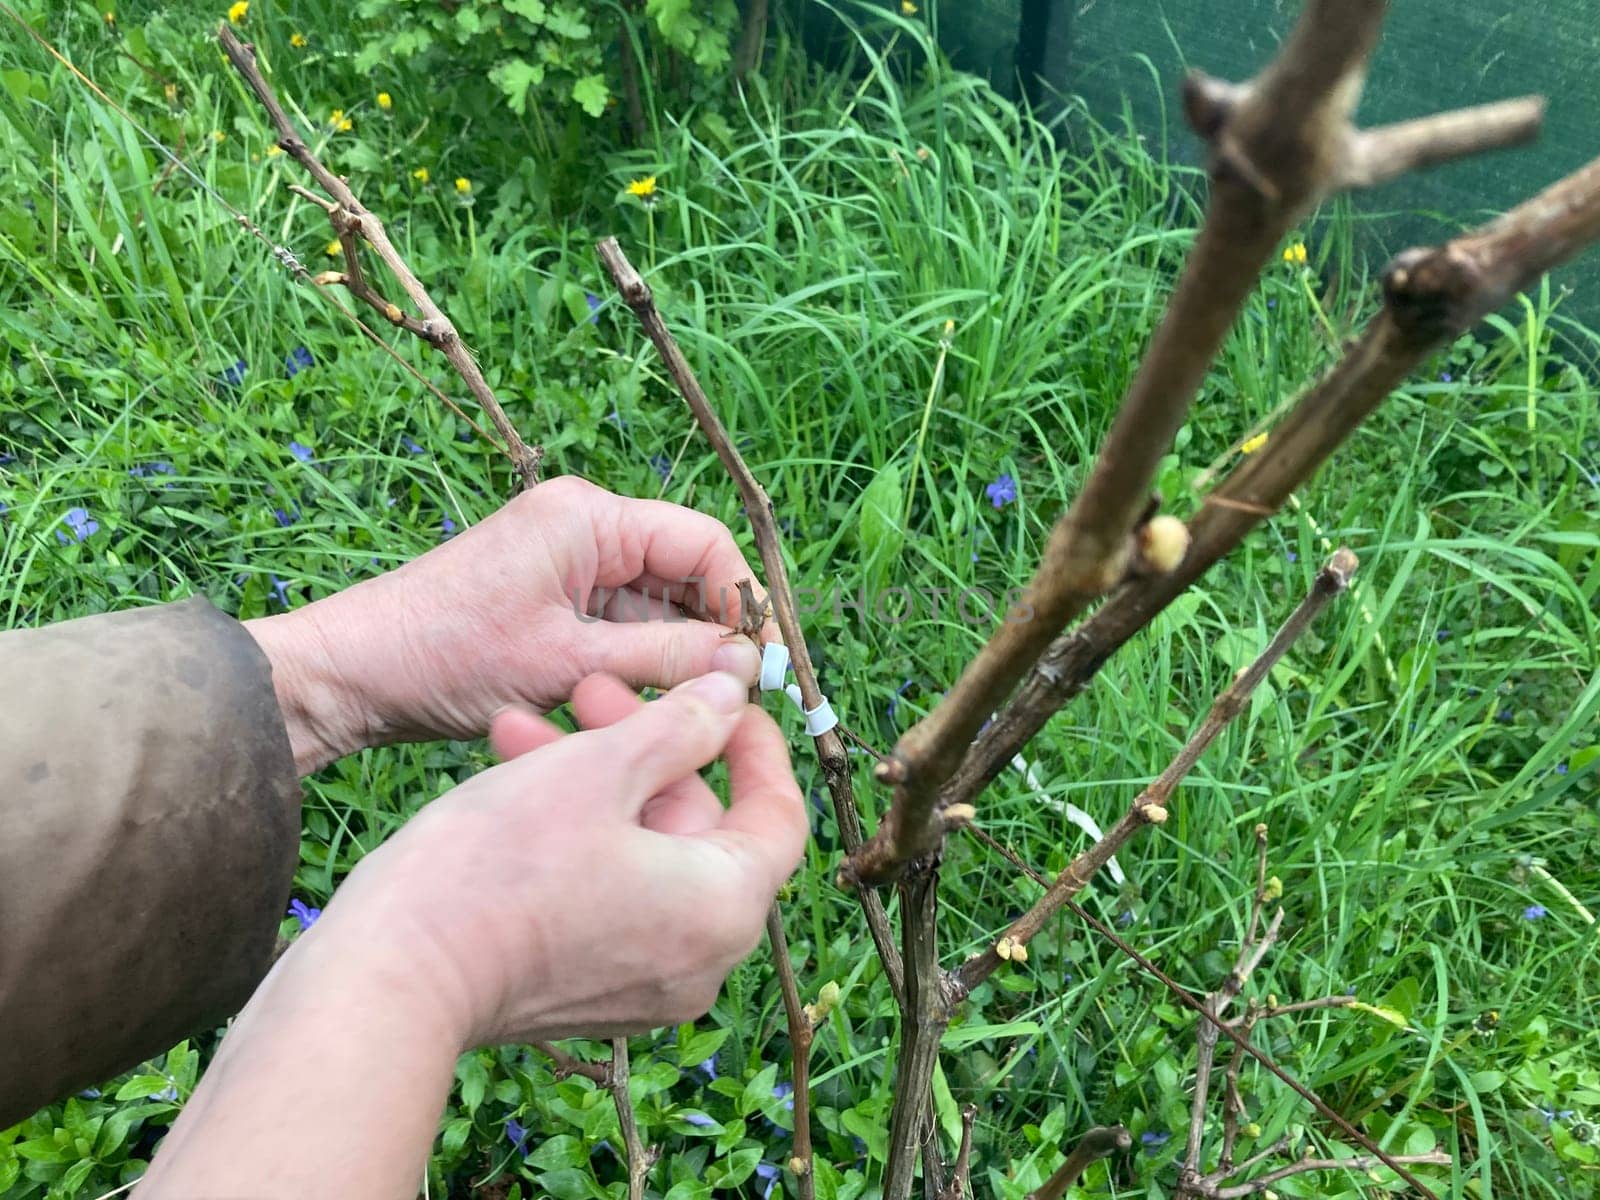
(564, 581)
(593, 883)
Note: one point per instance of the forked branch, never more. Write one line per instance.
(1278, 144)
(354, 224)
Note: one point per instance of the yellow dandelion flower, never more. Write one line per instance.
(1253, 444)
(907, 8)
(385, 101)
(463, 185)
(217, 135)
(340, 122)
(239, 11)
(274, 150)
(643, 188)
(171, 93)
(111, 18)
(1295, 255)
(334, 249)
(298, 40)
(421, 175)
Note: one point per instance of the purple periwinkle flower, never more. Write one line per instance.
(146, 470)
(1446, 377)
(1291, 556)
(1561, 768)
(768, 1173)
(662, 465)
(286, 517)
(303, 913)
(1552, 1115)
(168, 1093)
(784, 1092)
(94, 1094)
(7, 458)
(280, 590)
(448, 528)
(412, 447)
(299, 359)
(1002, 491)
(1503, 716)
(1441, 635)
(709, 1069)
(697, 1119)
(80, 523)
(517, 1135)
(1273, 303)
(1534, 912)
(894, 700)
(234, 375)
(1153, 1139)
(594, 307)
(303, 453)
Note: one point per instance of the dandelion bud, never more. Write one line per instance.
(1163, 542)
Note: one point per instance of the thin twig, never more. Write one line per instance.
(1099, 1142)
(1430, 295)
(1360, 1162)
(1149, 807)
(830, 748)
(961, 1174)
(640, 1157)
(800, 1033)
(1278, 144)
(566, 1066)
(349, 218)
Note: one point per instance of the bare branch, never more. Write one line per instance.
(961, 1176)
(1277, 146)
(1149, 807)
(350, 217)
(1374, 156)
(830, 748)
(640, 1157)
(800, 1051)
(1099, 1142)
(1430, 295)
(567, 1066)
(1361, 1162)
(924, 1017)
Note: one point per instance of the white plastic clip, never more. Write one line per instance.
(820, 719)
(774, 665)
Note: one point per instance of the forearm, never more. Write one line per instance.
(330, 1083)
(323, 716)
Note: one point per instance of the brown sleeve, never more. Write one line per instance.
(149, 829)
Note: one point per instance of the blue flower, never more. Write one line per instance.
(709, 1069)
(234, 375)
(1002, 491)
(894, 700)
(94, 1094)
(1561, 768)
(7, 458)
(80, 522)
(447, 527)
(1125, 918)
(784, 1092)
(145, 470)
(168, 1093)
(298, 361)
(280, 589)
(411, 446)
(287, 518)
(517, 1135)
(1441, 635)
(594, 307)
(1153, 1139)
(1552, 1115)
(697, 1119)
(307, 916)
(1291, 556)
(769, 1173)
(1503, 716)
(1446, 376)
(662, 466)
(1534, 912)
(303, 453)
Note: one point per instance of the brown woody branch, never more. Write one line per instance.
(1430, 295)
(961, 1174)
(640, 1157)
(1100, 1142)
(800, 1031)
(350, 219)
(1149, 807)
(1278, 144)
(566, 1066)
(758, 508)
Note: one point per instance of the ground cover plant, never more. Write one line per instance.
(180, 417)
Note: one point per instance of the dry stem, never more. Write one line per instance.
(351, 220)
(640, 1157)
(1100, 1142)
(1150, 806)
(1278, 144)
(800, 1048)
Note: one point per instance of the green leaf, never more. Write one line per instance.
(945, 1105)
(563, 1150)
(141, 1086)
(1485, 1081)
(568, 23)
(514, 77)
(1382, 1013)
(474, 1078)
(695, 1046)
(529, 10)
(455, 1135)
(590, 93)
(73, 1179)
(965, 1035)
(688, 1189)
(569, 1183)
(758, 1092)
(735, 1169)
(882, 511)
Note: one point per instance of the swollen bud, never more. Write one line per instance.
(1163, 542)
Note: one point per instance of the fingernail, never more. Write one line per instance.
(739, 657)
(723, 692)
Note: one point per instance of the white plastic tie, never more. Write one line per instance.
(774, 666)
(820, 719)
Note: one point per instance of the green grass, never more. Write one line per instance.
(1425, 758)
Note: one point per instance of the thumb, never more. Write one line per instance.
(665, 740)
